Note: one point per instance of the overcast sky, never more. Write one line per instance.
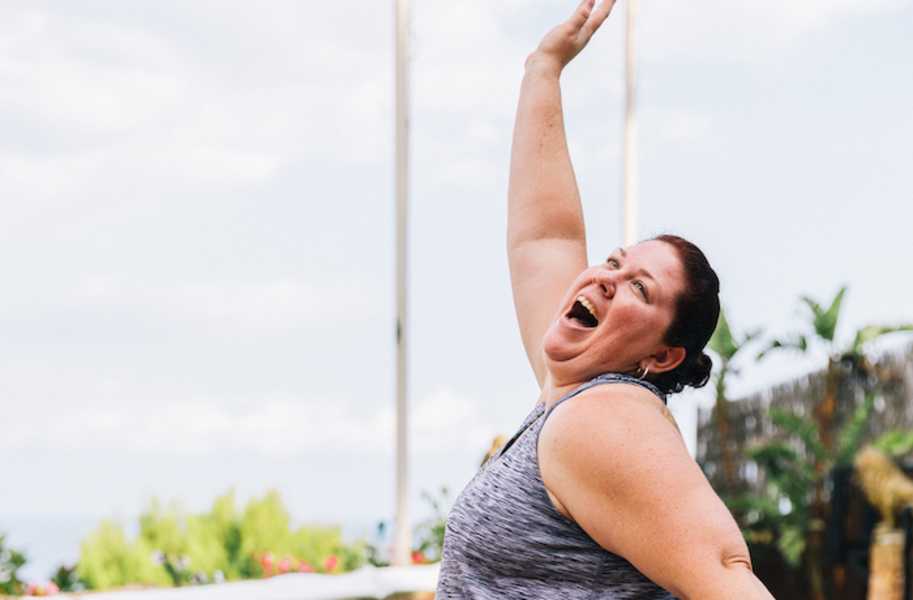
(197, 224)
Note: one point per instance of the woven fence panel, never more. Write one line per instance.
(750, 424)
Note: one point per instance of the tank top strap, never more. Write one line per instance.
(603, 379)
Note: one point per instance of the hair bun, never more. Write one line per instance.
(699, 372)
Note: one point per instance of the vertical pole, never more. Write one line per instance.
(630, 139)
(402, 542)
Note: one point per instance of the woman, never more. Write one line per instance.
(595, 496)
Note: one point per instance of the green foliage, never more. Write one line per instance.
(431, 531)
(796, 342)
(785, 504)
(824, 326)
(791, 543)
(850, 437)
(788, 477)
(11, 561)
(804, 429)
(866, 334)
(724, 343)
(108, 559)
(174, 548)
(67, 579)
(895, 443)
(825, 321)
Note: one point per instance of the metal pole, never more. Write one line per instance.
(630, 139)
(402, 542)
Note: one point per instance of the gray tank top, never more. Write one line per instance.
(506, 540)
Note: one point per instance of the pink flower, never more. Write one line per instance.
(266, 563)
(304, 567)
(285, 565)
(330, 563)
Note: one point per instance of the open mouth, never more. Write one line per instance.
(583, 312)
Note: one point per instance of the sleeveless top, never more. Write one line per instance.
(506, 540)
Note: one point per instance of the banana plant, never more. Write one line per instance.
(792, 474)
(851, 357)
(726, 345)
(792, 478)
(895, 443)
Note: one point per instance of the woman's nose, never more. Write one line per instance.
(606, 282)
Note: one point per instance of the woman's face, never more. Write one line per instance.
(615, 314)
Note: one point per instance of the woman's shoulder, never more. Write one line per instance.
(624, 474)
(614, 396)
(613, 432)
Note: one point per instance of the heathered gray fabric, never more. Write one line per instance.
(505, 539)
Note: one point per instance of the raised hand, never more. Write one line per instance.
(565, 41)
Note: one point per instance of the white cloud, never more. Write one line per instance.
(723, 31)
(675, 125)
(279, 427)
(265, 306)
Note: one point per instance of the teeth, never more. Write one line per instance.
(586, 304)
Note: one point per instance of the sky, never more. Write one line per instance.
(198, 239)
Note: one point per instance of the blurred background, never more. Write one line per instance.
(198, 236)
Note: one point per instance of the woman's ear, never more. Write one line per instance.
(668, 358)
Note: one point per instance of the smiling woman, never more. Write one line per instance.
(595, 496)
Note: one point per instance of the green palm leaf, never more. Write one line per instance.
(851, 435)
(799, 342)
(804, 429)
(866, 334)
(895, 443)
(722, 341)
(791, 543)
(825, 321)
(775, 458)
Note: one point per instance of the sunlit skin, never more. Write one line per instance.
(634, 311)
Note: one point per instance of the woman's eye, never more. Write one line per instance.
(611, 260)
(643, 288)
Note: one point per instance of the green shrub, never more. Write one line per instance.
(108, 559)
(10, 562)
(174, 548)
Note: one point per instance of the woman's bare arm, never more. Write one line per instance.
(624, 475)
(546, 239)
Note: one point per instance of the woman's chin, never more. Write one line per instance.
(557, 349)
(564, 340)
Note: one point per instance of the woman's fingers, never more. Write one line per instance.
(580, 16)
(597, 17)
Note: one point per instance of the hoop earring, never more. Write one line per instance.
(645, 371)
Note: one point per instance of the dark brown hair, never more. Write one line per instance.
(697, 310)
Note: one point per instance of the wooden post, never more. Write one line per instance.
(630, 135)
(402, 541)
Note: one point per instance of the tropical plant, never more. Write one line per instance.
(789, 462)
(67, 580)
(895, 443)
(794, 476)
(11, 561)
(726, 345)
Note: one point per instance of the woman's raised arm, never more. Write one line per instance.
(546, 240)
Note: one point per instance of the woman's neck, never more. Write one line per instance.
(553, 390)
